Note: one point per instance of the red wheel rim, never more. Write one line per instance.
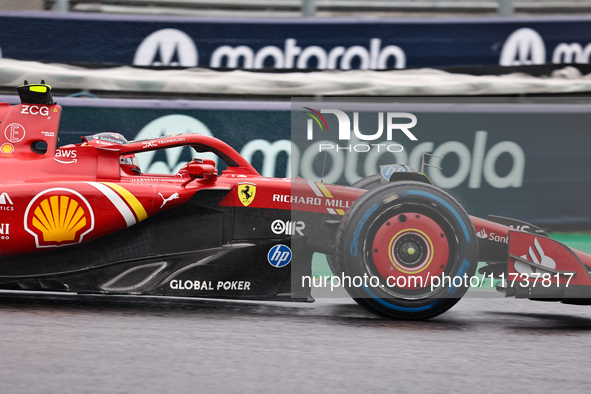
(409, 249)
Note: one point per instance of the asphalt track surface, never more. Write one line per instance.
(89, 344)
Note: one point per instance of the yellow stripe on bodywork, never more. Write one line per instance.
(340, 212)
(324, 190)
(133, 202)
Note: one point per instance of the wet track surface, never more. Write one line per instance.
(89, 344)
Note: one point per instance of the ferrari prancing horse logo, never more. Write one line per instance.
(246, 193)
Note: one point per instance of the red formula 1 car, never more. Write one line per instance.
(84, 219)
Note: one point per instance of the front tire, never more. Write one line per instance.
(368, 183)
(402, 237)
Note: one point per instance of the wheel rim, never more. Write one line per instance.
(408, 249)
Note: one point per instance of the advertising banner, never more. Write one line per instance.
(528, 162)
(521, 161)
(293, 43)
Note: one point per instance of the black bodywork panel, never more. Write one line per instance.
(199, 249)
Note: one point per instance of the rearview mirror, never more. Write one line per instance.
(197, 170)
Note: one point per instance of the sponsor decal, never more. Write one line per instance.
(246, 193)
(527, 229)
(145, 180)
(66, 156)
(6, 202)
(173, 140)
(48, 133)
(14, 132)
(67, 153)
(4, 231)
(233, 285)
(333, 206)
(167, 47)
(288, 227)
(174, 196)
(537, 256)
(526, 46)
(497, 238)
(57, 217)
(204, 285)
(279, 256)
(7, 148)
(106, 139)
(177, 284)
(150, 144)
(288, 199)
(491, 237)
(34, 110)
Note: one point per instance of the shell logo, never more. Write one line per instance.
(58, 217)
(7, 148)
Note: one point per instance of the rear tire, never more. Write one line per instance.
(400, 236)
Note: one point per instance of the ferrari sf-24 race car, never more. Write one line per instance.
(83, 218)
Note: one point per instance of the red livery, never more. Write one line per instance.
(84, 218)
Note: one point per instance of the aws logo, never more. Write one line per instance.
(167, 47)
(58, 217)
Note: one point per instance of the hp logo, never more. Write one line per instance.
(279, 256)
